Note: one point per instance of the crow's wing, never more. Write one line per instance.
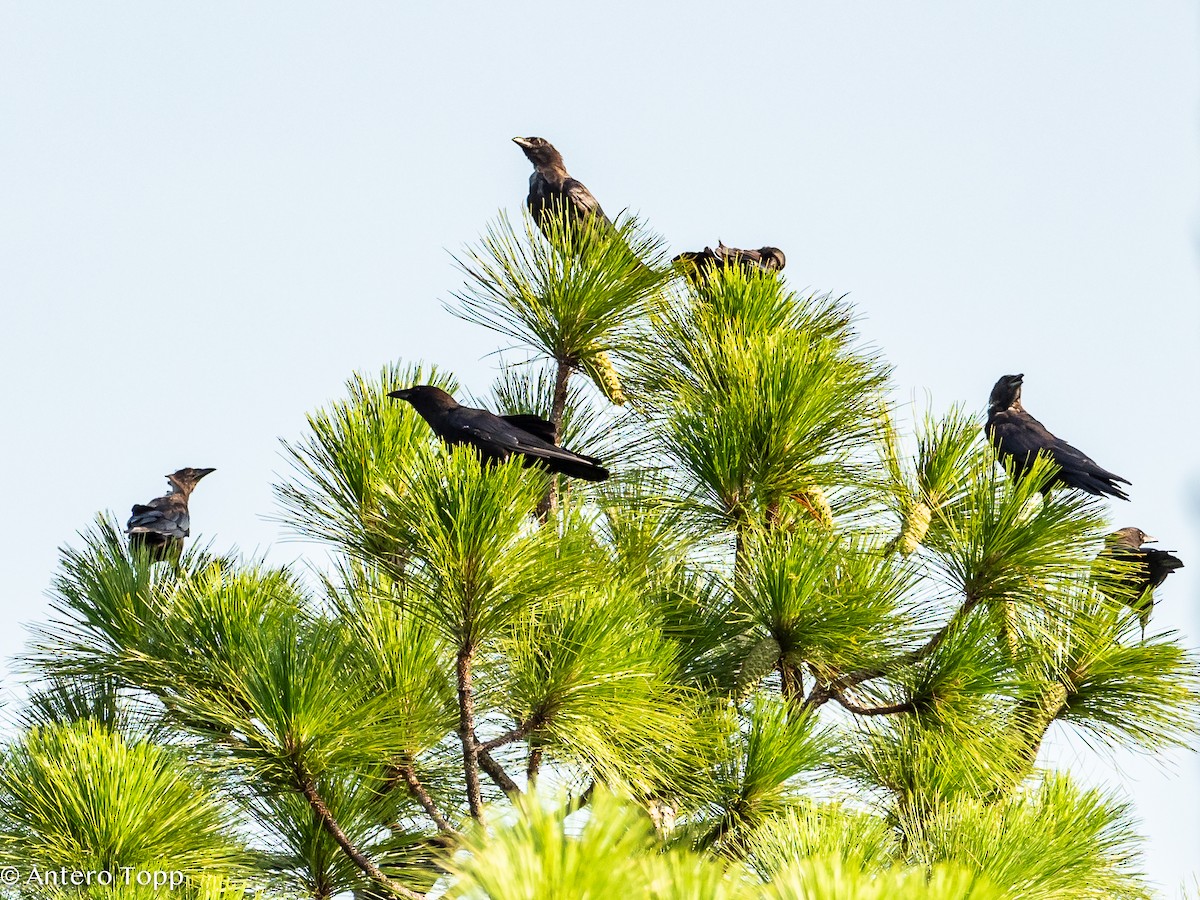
(1160, 564)
(167, 519)
(583, 200)
(697, 256)
(535, 425)
(1127, 580)
(496, 437)
(1021, 436)
(695, 263)
(746, 258)
(1068, 455)
(1081, 471)
(579, 203)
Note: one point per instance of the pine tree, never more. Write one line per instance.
(784, 652)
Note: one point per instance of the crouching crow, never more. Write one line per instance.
(698, 264)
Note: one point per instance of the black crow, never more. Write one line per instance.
(698, 264)
(554, 193)
(1018, 436)
(552, 190)
(161, 525)
(498, 437)
(1145, 569)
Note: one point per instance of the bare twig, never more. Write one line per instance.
(574, 804)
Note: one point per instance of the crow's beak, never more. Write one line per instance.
(521, 142)
(204, 472)
(400, 394)
(1146, 539)
(1017, 379)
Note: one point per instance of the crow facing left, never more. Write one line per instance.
(160, 526)
(498, 437)
(553, 190)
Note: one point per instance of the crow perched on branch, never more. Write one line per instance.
(161, 525)
(552, 190)
(1018, 436)
(570, 218)
(699, 264)
(498, 437)
(1147, 568)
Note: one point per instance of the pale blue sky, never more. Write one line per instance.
(234, 205)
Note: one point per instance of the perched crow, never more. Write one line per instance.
(1147, 569)
(161, 525)
(498, 437)
(699, 263)
(1018, 436)
(551, 189)
(552, 192)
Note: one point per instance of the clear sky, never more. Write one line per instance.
(210, 214)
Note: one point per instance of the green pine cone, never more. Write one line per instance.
(813, 499)
(757, 665)
(601, 370)
(914, 529)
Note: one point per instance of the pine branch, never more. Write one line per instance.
(496, 772)
(818, 696)
(562, 377)
(906, 706)
(1039, 713)
(418, 791)
(534, 765)
(791, 682)
(514, 734)
(466, 733)
(309, 789)
(851, 679)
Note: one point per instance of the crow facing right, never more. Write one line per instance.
(1149, 568)
(161, 525)
(1020, 437)
(498, 437)
(699, 263)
